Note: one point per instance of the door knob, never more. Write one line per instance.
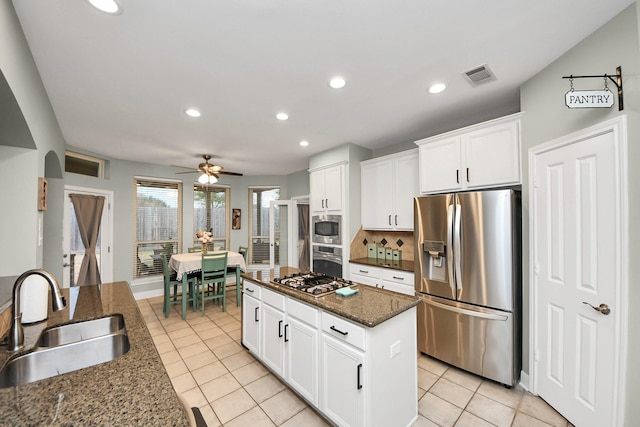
(66, 264)
(602, 308)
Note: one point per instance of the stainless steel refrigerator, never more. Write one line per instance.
(468, 274)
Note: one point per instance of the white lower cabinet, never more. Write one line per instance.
(349, 372)
(301, 347)
(343, 395)
(251, 315)
(273, 322)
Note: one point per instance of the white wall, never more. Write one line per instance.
(19, 167)
(547, 118)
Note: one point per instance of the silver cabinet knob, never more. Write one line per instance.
(602, 308)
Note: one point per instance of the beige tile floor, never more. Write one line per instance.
(209, 367)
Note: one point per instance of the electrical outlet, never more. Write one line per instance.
(395, 349)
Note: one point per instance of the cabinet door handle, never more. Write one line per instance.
(389, 219)
(255, 315)
(333, 328)
(249, 290)
(364, 271)
(396, 219)
(326, 203)
(280, 329)
(322, 200)
(358, 376)
(398, 278)
(467, 174)
(458, 176)
(286, 338)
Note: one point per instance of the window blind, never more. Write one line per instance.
(158, 223)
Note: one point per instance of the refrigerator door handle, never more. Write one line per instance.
(466, 311)
(449, 249)
(457, 245)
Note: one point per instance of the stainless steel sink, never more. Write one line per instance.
(78, 331)
(47, 362)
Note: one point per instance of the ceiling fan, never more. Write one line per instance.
(210, 172)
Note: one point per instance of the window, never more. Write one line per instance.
(211, 213)
(158, 211)
(259, 199)
(83, 165)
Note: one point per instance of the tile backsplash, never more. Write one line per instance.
(402, 240)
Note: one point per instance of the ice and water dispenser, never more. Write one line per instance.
(434, 260)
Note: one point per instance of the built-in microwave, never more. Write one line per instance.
(326, 229)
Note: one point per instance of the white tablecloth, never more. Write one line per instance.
(186, 263)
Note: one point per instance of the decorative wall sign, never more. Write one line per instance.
(43, 190)
(595, 98)
(235, 219)
(589, 99)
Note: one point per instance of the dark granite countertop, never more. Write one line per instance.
(133, 390)
(394, 265)
(370, 306)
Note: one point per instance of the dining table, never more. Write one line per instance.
(185, 264)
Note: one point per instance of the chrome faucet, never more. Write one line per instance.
(16, 334)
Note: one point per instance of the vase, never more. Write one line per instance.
(204, 248)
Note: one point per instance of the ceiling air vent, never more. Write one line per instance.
(479, 75)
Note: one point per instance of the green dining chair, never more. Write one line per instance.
(243, 250)
(213, 278)
(170, 279)
(195, 249)
(231, 271)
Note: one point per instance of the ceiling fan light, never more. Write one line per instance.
(212, 179)
(203, 179)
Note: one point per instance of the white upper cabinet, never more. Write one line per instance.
(480, 156)
(327, 189)
(389, 185)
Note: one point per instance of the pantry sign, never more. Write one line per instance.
(589, 99)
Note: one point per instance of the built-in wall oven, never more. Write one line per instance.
(326, 229)
(327, 260)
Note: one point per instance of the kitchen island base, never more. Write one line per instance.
(352, 374)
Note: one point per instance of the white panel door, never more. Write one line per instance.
(576, 241)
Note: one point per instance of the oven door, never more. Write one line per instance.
(327, 260)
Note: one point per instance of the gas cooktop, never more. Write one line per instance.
(316, 284)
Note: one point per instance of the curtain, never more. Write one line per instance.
(303, 237)
(88, 210)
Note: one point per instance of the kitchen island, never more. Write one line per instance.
(131, 390)
(351, 357)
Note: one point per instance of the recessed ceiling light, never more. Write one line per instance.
(282, 116)
(106, 6)
(337, 82)
(304, 143)
(437, 88)
(192, 112)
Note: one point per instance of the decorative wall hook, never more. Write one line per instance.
(581, 99)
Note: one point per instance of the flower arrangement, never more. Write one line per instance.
(204, 237)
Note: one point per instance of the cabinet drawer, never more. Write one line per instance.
(365, 270)
(274, 299)
(398, 276)
(302, 312)
(366, 280)
(343, 330)
(252, 289)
